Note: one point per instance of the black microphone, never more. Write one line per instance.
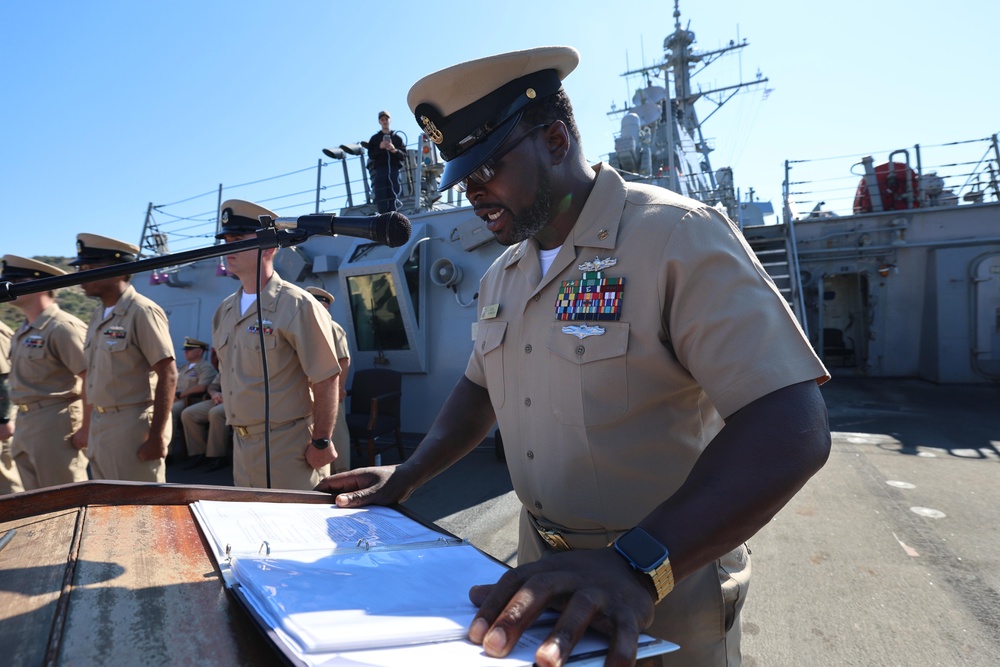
(391, 229)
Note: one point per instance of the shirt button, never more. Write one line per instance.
(531, 455)
(527, 348)
(537, 297)
(580, 350)
(527, 402)
(538, 505)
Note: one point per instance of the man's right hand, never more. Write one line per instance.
(384, 485)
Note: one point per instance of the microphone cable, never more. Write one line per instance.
(267, 384)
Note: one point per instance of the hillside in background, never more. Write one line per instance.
(70, 299)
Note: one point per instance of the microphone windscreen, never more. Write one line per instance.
(392, 229)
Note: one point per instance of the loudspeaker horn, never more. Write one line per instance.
(445, 273)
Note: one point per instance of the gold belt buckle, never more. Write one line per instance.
(99, 409)
(242, 431)
(22, 407)
(554, 539)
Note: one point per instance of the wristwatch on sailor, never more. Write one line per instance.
(321, 443)
(647, 555)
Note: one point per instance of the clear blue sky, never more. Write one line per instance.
(110, 105)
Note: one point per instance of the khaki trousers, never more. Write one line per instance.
(114, 441)
(701, 614)
(342, 441)
(10, 480)
(205, 430)
(42, 448)
(289, 469)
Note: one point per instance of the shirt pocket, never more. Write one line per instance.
(490, 345)
(588, 380)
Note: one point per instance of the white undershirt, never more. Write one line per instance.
(107, 311)
(546, 257)
(246, 300)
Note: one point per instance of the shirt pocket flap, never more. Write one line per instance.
(596, 347)
(492, 336)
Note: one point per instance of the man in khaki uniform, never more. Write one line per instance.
(131, 376)
(302, 367)
(10, 480)
(205, 431)
(341, 434)
(47, 363)
(657, 400)
(194, 376)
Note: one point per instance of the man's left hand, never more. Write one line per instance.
(592, 588)
(317, 458)
(154, 448)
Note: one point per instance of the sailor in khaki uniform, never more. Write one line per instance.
(47, 363)
(131, 375)
(302, 367)
(341, 434)
(207, 436)
(657, 400)
(10, 480)
(194, 375)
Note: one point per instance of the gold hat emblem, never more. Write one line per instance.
(431, 130)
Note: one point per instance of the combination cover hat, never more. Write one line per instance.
(15, 268)
(96, 249)
(241, 217)
(321, 294)
(194, 344)
(469, 109)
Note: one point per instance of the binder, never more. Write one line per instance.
(363, 587)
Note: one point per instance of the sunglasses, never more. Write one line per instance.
(485, 172)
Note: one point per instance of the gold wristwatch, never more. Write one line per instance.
(645, 554)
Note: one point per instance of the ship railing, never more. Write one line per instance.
(338, 183)
(948, 174)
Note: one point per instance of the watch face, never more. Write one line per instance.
(642, 549)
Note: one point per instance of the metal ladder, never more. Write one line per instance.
(774, 246)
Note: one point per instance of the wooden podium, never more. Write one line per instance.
(118, 573)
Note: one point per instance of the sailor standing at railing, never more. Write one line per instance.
(303, 373)
(47, 363)
(386, 152)
(658, 402)
(131, 376)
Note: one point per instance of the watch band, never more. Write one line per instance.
(663, 580)
(321, 443)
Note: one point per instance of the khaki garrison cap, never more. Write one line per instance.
(95, 249)
(241, 217)
(15, 268)
(321, 295)
(194, 343)
(469, 109)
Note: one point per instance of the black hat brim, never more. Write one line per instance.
(461, 166)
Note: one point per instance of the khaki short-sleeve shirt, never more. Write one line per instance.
(339, 341)
(601, 429)
(191, 376)
(47, 357)
(6, 333)
(299, 347)
(122, 348)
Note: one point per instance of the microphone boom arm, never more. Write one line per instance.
(268, 237)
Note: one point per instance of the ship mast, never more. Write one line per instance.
(676, 124)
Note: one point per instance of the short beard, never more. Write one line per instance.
(536, 218)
